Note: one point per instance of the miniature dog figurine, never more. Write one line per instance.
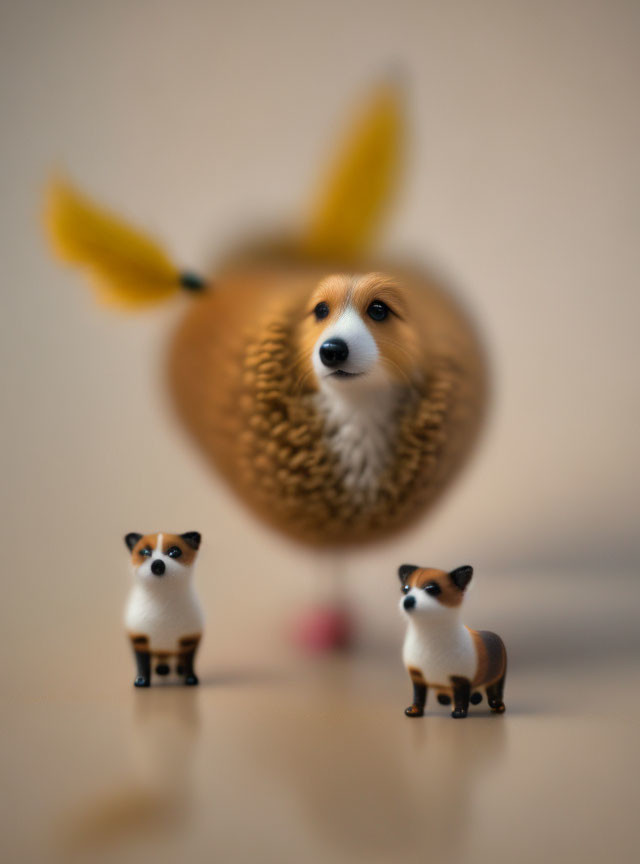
(439, 651)
(163, 616)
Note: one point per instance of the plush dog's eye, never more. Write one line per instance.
(405, 589)
(174, 552)
(433, 589)
(378, 310)
(321, 311)
(146, 552)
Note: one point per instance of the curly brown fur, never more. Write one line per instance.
(241, 388)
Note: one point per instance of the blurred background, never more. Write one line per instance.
(201, 121)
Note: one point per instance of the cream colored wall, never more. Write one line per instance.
(201, 119)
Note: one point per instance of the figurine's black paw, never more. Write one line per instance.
(414, 711)
(458, 713)
(191, 680)
(179, 670)
(162, 669)
(475, 698)
(497, 707)
(444, 699)
(141, 682)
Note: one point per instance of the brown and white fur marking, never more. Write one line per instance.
(439, 651)
(163, 616)
(358, 394)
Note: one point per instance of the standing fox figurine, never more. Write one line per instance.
(439, 651)
(164, 618)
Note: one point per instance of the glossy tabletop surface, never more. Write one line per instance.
(282, 757)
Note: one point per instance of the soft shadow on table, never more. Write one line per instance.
(242, 677)
(551, 649)
(368, 783)
(156, 798)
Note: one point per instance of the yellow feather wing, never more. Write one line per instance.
(127, 267)
(361, 181)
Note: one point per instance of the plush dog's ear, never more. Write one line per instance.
(192, 538)
(405, 570)
(461, 576)
(131, 540)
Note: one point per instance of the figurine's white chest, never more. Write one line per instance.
(360, 431)
(440, 652)
(164, 613)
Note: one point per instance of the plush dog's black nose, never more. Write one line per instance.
(409, 603)
(333, 352)
(158, 568)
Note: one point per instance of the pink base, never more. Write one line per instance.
(323, 629)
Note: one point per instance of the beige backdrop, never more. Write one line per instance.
(202, 120)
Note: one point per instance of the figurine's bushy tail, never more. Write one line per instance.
(127, 267)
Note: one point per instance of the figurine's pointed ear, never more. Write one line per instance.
(192, 538)
(362, 179)
(131, 540)
(461, 576)
(405, 570)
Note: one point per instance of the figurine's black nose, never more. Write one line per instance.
(158, 568)
(409, 603)
(333, 352)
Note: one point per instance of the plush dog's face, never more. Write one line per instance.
(357, 334)
(161, 558)
(430, 592)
